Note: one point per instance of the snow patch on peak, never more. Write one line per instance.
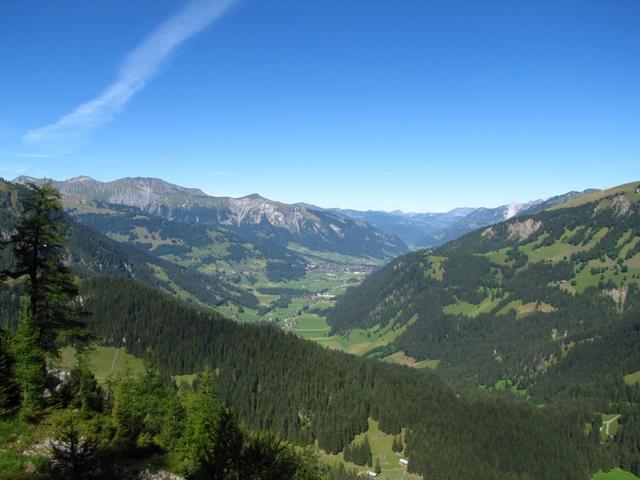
(512, 210)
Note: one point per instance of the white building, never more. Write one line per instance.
(404, 462)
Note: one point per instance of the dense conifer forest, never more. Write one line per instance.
(280, 383)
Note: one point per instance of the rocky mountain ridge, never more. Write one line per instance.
(254, 216)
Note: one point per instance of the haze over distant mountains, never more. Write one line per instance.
(422, 230)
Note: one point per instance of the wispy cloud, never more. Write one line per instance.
(72, 131)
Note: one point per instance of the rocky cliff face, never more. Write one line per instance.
(316, 229)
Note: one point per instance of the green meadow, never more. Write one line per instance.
(632, 378)
(380, 449)
(615, 474)
(103, 361)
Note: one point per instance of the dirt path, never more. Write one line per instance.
(608, 423)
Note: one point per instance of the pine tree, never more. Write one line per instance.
(397, 445)
(39, 249)
(377, 467)
(73, 455)
(29, 369)
(9, 393)
(81, 390)
(367, 457)
(266, 456)
(153, 397)
(224, 460)
(199, 437)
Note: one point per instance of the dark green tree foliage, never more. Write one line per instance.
(212, 445)
(29, 367)
(303, 392)
(39, 247)
(9, 393)
(73, 455)
(628, 442)
(81, 389)
(200, 447)
(397, 445)
(265, 456)
(359, 453)
(339, 472)
(140, 405)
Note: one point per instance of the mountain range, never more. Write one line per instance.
(90, 253)
(254, 215)
(534, 301)
(376, 234)
(424, 230)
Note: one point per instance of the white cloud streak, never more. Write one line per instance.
(72, 131)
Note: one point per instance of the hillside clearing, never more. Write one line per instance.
(632, 378)
(615, 474)
(103, 361)
(401, 358)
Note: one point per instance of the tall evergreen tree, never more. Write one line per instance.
(367, 456)
(9, 394)
(199, 437)
(39, 249)
(29, 369)
(397, 445)
(81, 390)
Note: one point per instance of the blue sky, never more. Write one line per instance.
(372, 104)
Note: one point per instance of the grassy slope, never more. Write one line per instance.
(380, 448)
(101, 361)
(628, 188)
(401, 358)
(361, 341)
(615, 474)
(632, 378)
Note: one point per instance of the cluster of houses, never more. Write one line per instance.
(325, 296)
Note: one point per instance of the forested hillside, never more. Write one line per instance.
(547, 304)
(91, 253)
(280, 383)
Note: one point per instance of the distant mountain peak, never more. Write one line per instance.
(23, 179)
(158, 186)
(81, 179)
(254, 196)
(512, 210)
